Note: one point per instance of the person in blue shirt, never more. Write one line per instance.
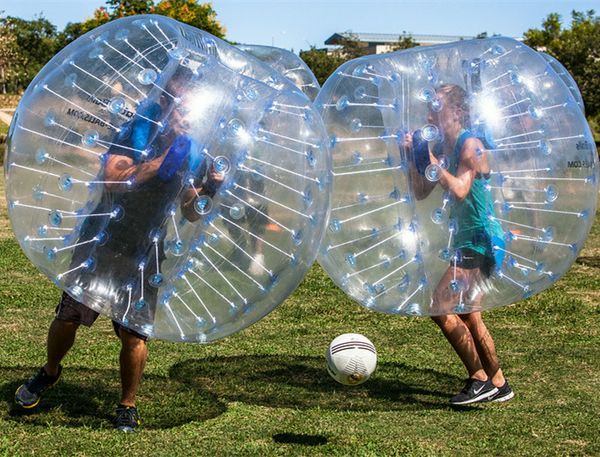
(465, 176)
(145, 170)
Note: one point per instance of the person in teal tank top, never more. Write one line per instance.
(475, 243)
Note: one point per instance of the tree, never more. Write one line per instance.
(34, 42)
(405, 41)
(321, 63)
(577, 48)
(199, 15)
(12, 63)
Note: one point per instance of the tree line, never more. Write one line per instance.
(26, 46)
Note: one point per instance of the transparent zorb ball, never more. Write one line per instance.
(151, 175)
(465, 177)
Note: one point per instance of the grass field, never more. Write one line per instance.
(265, 391)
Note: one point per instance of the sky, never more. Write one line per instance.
(297, 25)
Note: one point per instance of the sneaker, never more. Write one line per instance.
(474, 391)
(28, 395)
(504, 393)
(127, 418)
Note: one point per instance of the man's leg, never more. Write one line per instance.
(132, 359)
(70, 314)
(486, 348)
(61, 337)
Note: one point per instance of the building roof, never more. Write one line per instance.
(393, 37)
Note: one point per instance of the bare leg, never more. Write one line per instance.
(459, 336)
(454, 328)
(132, 360)
(485, 347)
(61, 337)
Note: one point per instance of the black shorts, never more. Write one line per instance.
(469, 259)
(70, 310)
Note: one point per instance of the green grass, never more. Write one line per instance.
(265, 390)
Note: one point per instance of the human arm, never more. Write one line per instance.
(470, 162)
(190, 196)
(121, 171)
(420, 185)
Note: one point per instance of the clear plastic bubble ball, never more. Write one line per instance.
(465, 177)
(167, 179)
(564, 74)
(288, 64)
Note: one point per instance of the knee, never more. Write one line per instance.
(131, 342)
(445, 321)
(64, 327)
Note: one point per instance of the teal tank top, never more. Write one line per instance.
(475, 229)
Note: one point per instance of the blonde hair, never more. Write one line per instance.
(456, 97)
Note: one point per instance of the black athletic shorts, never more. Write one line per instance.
(70, 310)
(470, 260)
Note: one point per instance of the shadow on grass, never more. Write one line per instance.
(296, 438)
(87, 398)
(303, 382)
(589, 261)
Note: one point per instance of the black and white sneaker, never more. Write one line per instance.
(28, 395)
(474, 391)
(504, 393)
(127, 418)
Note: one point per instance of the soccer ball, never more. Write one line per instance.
(351, 359)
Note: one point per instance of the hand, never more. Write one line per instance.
(408, 140)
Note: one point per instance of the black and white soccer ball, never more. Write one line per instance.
(351, 359)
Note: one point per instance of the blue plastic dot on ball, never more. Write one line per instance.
(41, 156)
(122, 34)
(534, 112)
(176, 247)
(335, 225)
(430, 132)
(55, 218)
(51, 254)
(355, 125)
(351, 259)
(446, 254)
(545, 147)
(65, 182)
(307, 198)
(156, 280)
(90, 138)
(360, 92)
(38, 193)
(203, 204)
(222, 164)
(438, 215)
(71, 80)
(310, 158)
(140, 304)
(237, 211)
(455, 286)
(433, 172)
(50, 118)
(551, 193)
(342, 103)
(298, 237)
(147, 76)
(116, 105)
(548, 233)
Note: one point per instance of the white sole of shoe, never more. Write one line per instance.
(479, 398)
(505, 398)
